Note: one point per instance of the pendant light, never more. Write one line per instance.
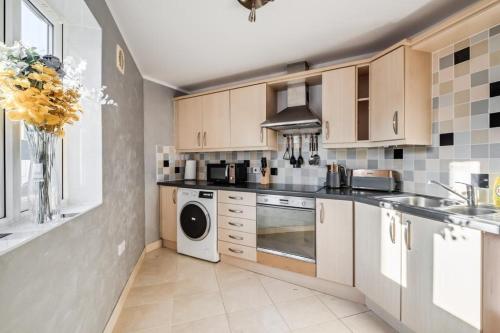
(253, 5)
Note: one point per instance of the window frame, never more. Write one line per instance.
(10, 22)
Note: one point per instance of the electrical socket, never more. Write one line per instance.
(255, 170)
(121, 248)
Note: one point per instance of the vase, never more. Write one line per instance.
(44, 197)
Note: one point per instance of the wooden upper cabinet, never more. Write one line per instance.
(189, 123)
(400, 97)
(339, 105)
(249, 108)
(335, 241)
(216, 120)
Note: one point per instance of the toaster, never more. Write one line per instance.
(378, 180)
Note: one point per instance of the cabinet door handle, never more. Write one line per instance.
(392, 230)
(235, 251)
(395, 123)
(174, 196)
(235, 211)
(239, 225)
(327, 129)
(235, 198)
(408, 235)
(322, 213)
(235, 237)
(204, 138)
(198, 139)
(261, 135)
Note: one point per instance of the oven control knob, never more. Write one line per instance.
(303, 203)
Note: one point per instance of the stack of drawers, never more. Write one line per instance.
(237, 224)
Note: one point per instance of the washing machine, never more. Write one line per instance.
(197, 223)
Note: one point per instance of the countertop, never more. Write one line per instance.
(487, 223)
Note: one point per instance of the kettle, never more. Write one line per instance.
(336, 176)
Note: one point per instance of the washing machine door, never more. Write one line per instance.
(194, 221)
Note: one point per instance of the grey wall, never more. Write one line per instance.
(69, 279)
(158, 130)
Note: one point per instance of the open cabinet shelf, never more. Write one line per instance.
(363, 103)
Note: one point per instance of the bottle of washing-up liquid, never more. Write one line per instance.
(496, 192)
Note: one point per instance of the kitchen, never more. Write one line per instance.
(346, 179)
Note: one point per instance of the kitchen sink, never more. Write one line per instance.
(469, 211)
(421, 201)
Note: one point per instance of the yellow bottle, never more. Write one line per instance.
(496, 192)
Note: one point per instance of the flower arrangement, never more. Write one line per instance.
(39, 91)
(45, 96)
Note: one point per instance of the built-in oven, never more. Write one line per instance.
(286, 226)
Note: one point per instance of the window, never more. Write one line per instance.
(36, 31)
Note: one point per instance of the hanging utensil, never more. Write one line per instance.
(317, 159)
(311, 150)
(293, 161)
(286, 155)
(300, 160)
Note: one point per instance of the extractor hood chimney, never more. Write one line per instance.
(297, 114)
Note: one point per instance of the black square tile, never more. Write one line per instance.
(166, 163)
(177, 170)
(274, 171)
(222, 161)
(398, 154)
(495, 89)
(446, 139)
(481, 180)
(495, 119)
(462, 55)
(247, 163)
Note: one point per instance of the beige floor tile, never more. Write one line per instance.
(227, 273)
(144, 316)
(150, 294)
(217, 324)
(281, 291)
(188, 267)
(304, 312)
(342, 308)
(244, 294)
(334, 326)
(159, 329)
(196, 284)
(156, 272)
(367, 322)
(263, 320)
(196, 307)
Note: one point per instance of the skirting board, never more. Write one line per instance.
(396, 324)
(110, 326)
(170, 245)
(153, 246)
(327, 287)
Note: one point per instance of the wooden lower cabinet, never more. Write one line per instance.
(334, 241)
(168, 214)
(378, 256)
(441, 280)
(425, 273)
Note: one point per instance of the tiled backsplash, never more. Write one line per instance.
(465, 132)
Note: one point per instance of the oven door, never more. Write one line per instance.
(287, 231)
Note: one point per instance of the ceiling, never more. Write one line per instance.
(194, 44)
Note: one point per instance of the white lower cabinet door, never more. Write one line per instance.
(441, 279)
(378, 256)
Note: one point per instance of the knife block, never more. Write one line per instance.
(265, 180)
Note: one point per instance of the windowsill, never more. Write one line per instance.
(23, 230)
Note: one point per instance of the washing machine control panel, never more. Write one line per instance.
(206, 195)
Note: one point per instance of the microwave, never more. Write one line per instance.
(231, 173)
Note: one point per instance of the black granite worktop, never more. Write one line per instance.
(489, 223)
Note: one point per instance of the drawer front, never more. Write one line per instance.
(236, 224)
(238, 198)
(237, 237)
(238, 251)
(240, 211)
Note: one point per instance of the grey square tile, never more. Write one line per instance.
(432, 153)
(479, 78)
(495, 30)
(494, 74)
(462, 138)
(462, 152)
(495, 43)
(479, 107)
(420, 164)
(372, 164)
(479, 151)
(446, 62)
(351, 154)
(408, 176)
(445, 100)
(435, 102)
(480, 121)
(479, 37)
(495, 150)
(495, 104)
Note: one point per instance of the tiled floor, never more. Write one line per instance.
(175, 293)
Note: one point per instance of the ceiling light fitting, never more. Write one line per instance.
(253, 5)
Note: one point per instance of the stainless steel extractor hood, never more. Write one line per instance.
(297, 114)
